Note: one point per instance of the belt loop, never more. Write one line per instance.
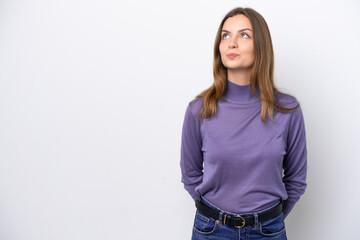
(256, 220)
(221, 217)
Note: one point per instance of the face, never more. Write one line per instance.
(237, 39)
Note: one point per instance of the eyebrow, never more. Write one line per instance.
(238, 31)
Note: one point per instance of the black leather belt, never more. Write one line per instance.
(238, 221)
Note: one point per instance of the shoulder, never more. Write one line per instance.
(296, 117)
(194, 105)
(286, 100)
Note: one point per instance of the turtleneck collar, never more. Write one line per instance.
(240, 93)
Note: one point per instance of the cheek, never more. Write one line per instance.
(221, 49)
(249, 49)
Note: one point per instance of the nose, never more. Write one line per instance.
(233, 43)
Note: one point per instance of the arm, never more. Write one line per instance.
(295, 161)
(191, 162)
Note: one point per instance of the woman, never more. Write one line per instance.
(243, 146)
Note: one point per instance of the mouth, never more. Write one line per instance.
(232, 55)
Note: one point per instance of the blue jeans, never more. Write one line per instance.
(210, 228)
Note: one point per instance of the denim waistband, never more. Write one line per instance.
(242, 214)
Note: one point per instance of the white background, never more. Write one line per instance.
(93, 96)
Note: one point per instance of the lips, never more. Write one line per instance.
(232, 55)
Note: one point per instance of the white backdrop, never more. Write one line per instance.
(93, 96)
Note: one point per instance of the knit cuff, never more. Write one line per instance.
(288, 205)
(191, 189)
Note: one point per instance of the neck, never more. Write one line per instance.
(239, 76)
(240, 93)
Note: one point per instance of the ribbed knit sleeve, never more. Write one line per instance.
(191, 162)
(295, 160)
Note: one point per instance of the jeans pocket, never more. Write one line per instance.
(204, 224)
(273, 227)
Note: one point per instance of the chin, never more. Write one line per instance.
(235, 66)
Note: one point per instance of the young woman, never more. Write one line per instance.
(243, 146)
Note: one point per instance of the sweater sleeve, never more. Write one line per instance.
(295, 161)
(191, 162)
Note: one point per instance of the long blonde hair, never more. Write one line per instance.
(261, 72)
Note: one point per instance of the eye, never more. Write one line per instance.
(224, 35)
(242, 34)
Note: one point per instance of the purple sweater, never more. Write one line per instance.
(237, 162)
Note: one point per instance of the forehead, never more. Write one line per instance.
(237, 22)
